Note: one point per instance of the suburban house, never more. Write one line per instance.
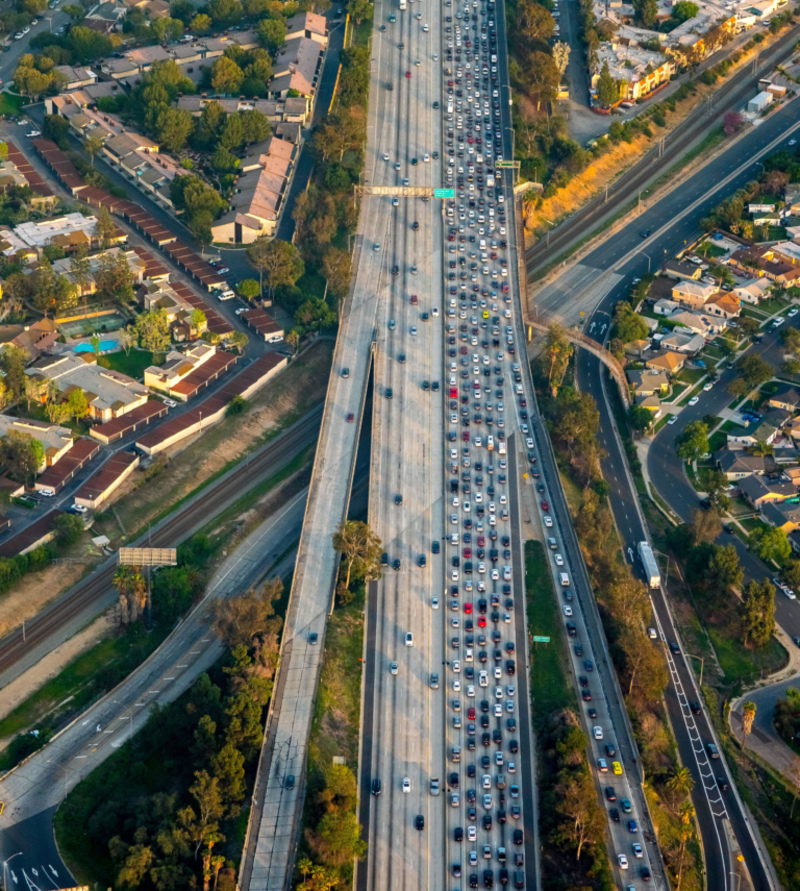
(648, 383)
(753, 434)
(652, 403)
(680, 342)
(724, 304)
(26, 241)
(666, 360)
(681, 271)
(56, 440)
(73, 78)
(35, 339)
(759, 490)
(785, 516)
(737, 464)
(763, 262)
(791, 199)
(665, 307)
(110, 394)
(134, 261)
(698, 324)
(752, 291)
(787, 398)
(692, 294)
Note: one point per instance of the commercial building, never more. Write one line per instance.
(638, 71)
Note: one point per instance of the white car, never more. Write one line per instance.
(470, 690)
(409, 639)
(597, 731)
(672, 420)
(694, 400)
(393, 667)
(567, 610)
(548, 522)
(483, 679)
(434, 603)
(456, 686)
(80, 508)
(171, 403)
(623, 861)
(456, 665)
(406, 784)
(471, 836)
(559, 559)
(707, 387)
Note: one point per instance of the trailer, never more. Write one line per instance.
(652, 574)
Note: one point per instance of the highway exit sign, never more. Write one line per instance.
(444, 193)
(539, 639)
(504, 164)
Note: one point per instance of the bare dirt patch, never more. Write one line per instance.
(34, 592)
(186, 465)
(20, 689)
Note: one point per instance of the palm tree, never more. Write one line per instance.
(687, 830)
(122, 582)
(748, 716)
(681, 782)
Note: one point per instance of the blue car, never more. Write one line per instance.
(632, 827)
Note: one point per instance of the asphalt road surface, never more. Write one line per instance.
(669, 225)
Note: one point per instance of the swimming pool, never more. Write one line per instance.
(88, 348)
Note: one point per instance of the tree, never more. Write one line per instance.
(607, 89)
(93, 146)
(715, 484)
(248, 288)
(692, 442)
(77, 403)
(771, 544)
(557, 353)
(706, 525)
(21, 454)
(207, 794)
(68, 529)
(255, 126)
(640, 419)
(226, 76)
(80, 269)
(724, 569)
(336, 269)
(647, 11)
(227, 767)
(534, 22)
(681, 783)
(239, 340)
(684, 10)
(791, 573)
(105, 229)
(272, 34)
(561, 56)
(757, 612)
(173, 128)
(127, 338)
(748, 716)
(280, 260)
(754, 372)
(292, 339)
(732, 122)
(153, 331)
(197, 321)
(249, 620)
(577, 801)
(629, 325)
(360, 10)
(360, 547)
(201, 24)
(337, 838)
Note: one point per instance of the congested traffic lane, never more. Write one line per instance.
(486, 782)
(405, 486)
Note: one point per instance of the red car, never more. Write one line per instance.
(471, 713)
(545, 505)
(408, 74)
(468, 608)
(350, 418)
(465, 436)
(467, 553)
(481, 621)
(481, 541)
(453, 393)
(414, 300)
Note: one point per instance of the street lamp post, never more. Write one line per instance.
(702, 663)
(648, 262)
(5, 866)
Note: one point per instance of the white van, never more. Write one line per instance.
(564, 579)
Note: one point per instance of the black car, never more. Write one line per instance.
(614, 814)
(513, 746)
(395, 564)
(419, 822)
(376, 786)
(517, 836)
(395, 270)
(695, 707)
(398, 499)
(458, 834)
(422, 561)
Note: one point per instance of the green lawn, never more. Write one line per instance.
(10, 104)
(677, 389)
(713, 250)
(550, 686)
(132, 364)
(716, 441)
(712, 352)
(774, 304)
(692, 375)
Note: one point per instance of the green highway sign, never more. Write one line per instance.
(504, 164)
(538, 639)
(444, 193)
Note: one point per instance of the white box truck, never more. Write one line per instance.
(652, 575)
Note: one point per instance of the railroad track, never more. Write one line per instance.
(169, 533)
(541, 253)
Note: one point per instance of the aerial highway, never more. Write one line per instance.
(661, 231)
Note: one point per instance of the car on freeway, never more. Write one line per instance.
(406, 784)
